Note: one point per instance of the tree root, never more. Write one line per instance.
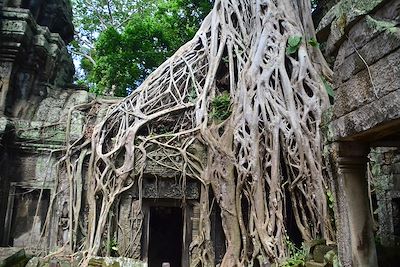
(263, 162)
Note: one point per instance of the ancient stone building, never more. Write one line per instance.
(361, 39)
(36, 73)
(37, 95)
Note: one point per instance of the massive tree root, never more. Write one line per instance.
(263, 152)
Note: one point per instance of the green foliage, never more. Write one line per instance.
(313, 42)
(382, 25)
(192, 96)
(123, 56)
(113, 245)
(332, 259)
(297, 256)
(328, 87)
(221, 107)
(293, 44)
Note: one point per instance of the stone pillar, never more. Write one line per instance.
(5, 76)
(356, 243)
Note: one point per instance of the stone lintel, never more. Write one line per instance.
(370, 122)
(167, 188)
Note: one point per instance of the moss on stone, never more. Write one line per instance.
(382, 25)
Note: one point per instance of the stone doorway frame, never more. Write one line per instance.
(10, 206)
(354, 221)
(187, 212)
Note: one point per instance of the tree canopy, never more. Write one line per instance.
(129, 43)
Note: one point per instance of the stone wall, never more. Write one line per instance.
(385, 171)
(360, 40)
(36, 73)
(33, 61)
(364, 48)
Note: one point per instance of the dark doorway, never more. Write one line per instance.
(27, 223)
(165, 239)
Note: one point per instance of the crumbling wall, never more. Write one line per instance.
(35, 73)
(363, 46)
(360, 39)
(385, 171)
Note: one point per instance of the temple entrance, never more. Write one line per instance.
(165, 236)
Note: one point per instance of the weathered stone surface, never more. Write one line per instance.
(130, 225)
(320, 251)
(314, 264)
(342, 16)
(366, 109)
(170, 188)
(115, 262)
(367, 117)
(64, 70)
(359, 91)
(57, 15)
(385, 165)
(371, 25)
(33, 60)
(12, 257)
(380, 46)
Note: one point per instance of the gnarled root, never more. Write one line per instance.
(263, 161)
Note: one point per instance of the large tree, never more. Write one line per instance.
(247, 89)
(121, 42)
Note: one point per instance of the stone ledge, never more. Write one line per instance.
(368, 120)
(12, 257)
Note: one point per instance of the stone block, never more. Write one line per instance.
(15, 257)
(77, 97)
(40, 132)
(50, 109)
(342, 16)
(359, 91)
(320, 251)
(380, 46)
(367, 119)
(314, 264)
(115, 262)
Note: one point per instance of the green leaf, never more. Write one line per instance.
(293, 44)
(294, 41)
(291, 50)
(313, 42)
(221, 107)
(328, 87)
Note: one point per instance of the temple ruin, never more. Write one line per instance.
(37, 99)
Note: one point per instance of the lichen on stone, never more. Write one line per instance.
(382, 25)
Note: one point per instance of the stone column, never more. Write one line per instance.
(5, 76)
(356, 243)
